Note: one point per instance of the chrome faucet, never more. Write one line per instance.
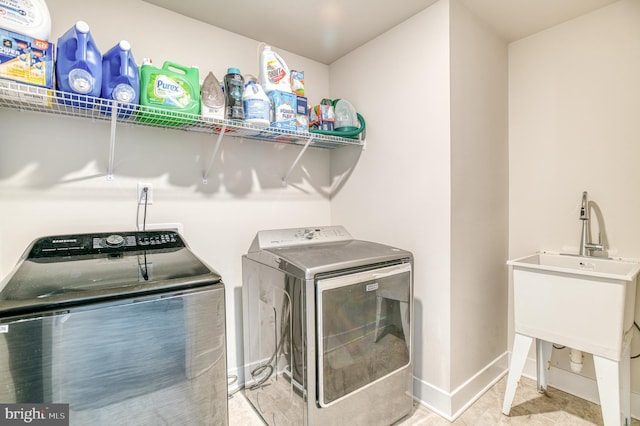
(587, 247)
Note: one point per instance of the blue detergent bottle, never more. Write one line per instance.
(120, 80)
(78, 67)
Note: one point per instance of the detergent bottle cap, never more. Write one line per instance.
(124, 93)
(81, 81)
(82, 27)
(124, 45)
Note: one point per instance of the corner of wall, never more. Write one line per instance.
(451, 405)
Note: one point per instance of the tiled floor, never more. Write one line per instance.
(529, 408)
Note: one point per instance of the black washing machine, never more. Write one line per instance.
(125, 327)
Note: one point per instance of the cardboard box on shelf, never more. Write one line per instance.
(25, 59)
(302, 115)
(284, 110)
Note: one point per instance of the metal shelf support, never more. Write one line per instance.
(205, 176)
(112, 140)
(304, 148)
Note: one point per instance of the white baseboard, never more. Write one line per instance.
(451, 405)
(235, 380)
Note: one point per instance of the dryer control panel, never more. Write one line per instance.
(299, 236)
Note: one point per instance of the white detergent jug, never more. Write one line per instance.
(257, 106)
(29, 17)
(274, 73)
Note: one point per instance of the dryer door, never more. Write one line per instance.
(363, 328)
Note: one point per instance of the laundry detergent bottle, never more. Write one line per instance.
(120, 79)
(274, 73)
(78, 65)
(233, 92)
(172, 93)
(257, 106)
(29, 17)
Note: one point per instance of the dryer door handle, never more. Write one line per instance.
(360, 277)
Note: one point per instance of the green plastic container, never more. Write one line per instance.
(172, 94)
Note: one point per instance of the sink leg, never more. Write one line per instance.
(608, 375)
(521, 345)
(625, 371)
(543, 356)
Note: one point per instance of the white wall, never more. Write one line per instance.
(573, 108)
(479, 198)
(399, 193)
(53, 169)
(433, 180)
(574, 103)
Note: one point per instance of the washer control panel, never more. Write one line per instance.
(298, 236)
(110, 243)
(113, 241)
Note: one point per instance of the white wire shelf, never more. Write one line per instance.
(24, 97)
(30, 98)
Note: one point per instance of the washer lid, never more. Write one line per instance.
(78, 269)
(327, 257)
(298, 236)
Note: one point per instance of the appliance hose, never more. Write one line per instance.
(268, 366)
(351, 134)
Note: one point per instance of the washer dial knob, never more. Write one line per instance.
(114, 240)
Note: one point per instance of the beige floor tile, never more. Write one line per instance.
(530, 408)
(241, 413)
(423, 416)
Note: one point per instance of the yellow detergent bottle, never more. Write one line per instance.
(171, 94)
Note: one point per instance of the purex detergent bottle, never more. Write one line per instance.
(170, 95)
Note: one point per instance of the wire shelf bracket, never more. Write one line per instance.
(112, 141)
(296, 161)
(205, 176)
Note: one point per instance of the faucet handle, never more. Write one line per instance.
(584, 207)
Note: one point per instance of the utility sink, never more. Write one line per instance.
(624, 270)
(586, 303)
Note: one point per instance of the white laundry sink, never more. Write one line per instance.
(586, 303)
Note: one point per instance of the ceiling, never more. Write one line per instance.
(326, 30)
